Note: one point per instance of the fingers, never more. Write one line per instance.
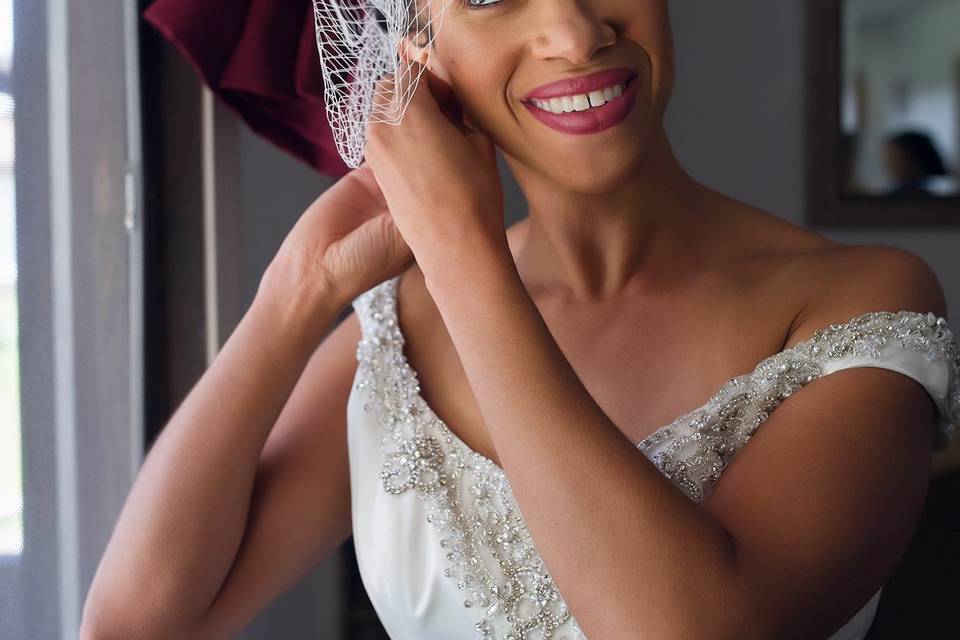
(430, 89)
(481, 142)
(430, 110)
(395, 102)
(415, 89)
(434, 94)
(384, 114)
(438, 88)
(365, 175)
(384, 103)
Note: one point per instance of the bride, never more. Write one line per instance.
(542, 431)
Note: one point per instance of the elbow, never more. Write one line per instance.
(728, 630)
(97, 628)
(94, 622)
(121, 607)
(689, 623)
(111, 630)
(728, 618)
(740, 623)
(97, 624)
(103, 618)
(104, 623)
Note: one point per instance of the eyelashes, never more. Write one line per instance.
(478, 4)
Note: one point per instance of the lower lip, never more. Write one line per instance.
(593, 120)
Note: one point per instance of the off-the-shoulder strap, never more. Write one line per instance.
(695, 449)
(919, 346)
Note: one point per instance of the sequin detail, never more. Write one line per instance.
(694, 449)
(468, 498)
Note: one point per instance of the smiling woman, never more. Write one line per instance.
(647, 410)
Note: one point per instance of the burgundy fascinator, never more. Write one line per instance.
(260, 57)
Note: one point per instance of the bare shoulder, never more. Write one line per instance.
(829, 282)
(877, 417)
(849, 280)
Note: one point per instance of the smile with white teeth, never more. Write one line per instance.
(580, 102)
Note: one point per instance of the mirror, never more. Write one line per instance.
(884, 112)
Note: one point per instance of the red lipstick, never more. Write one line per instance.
(581, 84)
(593, 119)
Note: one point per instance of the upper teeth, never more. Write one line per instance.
(581, 101)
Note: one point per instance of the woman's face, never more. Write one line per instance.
(495, 52)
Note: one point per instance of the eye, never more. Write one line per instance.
(478, 4)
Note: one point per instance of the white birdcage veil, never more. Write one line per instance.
(360, 42)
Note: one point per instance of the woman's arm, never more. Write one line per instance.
(629, 551)
(226, 511)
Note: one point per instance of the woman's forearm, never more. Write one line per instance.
(184, 519)
(659, 551)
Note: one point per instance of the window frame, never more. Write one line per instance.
(80, 285)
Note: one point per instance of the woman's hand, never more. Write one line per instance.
(438, 174)
(427, 184)
(342, 245)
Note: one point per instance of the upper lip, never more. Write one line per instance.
(581, 84)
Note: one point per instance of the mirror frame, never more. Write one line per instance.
(825, 206)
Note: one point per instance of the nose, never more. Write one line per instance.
(568, 29)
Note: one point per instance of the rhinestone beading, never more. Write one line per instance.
(468, 498)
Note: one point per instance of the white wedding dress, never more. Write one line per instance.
(442, 549)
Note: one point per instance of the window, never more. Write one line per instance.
(71, 433)
(11, 488)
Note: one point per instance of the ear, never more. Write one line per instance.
(411, 55)
(413, 50)
(415, 57)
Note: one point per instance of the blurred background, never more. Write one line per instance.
(900, 83)
(144, 188)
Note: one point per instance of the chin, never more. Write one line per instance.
(596, 169)
(588, 164)
(594, 175)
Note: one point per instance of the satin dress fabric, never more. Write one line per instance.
(401, 559)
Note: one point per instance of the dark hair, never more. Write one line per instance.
(419, 24)
(922, 153)
(380, 18)
(415, 26)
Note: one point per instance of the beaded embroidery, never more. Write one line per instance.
(468, 497)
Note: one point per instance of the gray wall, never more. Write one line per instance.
(274, 190)
(737, 119)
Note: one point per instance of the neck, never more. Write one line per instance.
(592, 245)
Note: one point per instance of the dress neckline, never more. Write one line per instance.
(411, 378)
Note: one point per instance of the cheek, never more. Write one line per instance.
(648, 26)
(479, 80)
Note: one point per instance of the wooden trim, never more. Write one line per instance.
(174, 337)
(221, 221)
(826, 206)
